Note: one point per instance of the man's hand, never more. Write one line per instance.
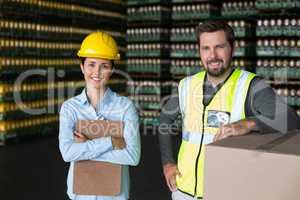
(170, 172)
(241, 127)
(79, 138)
(118, 143)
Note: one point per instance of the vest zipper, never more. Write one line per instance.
(202, 137)
(199, 153)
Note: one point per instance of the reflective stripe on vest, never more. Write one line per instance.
(239, 97)
(183, 90)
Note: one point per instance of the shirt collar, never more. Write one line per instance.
(105, 100)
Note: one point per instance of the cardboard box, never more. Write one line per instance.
(253, 167)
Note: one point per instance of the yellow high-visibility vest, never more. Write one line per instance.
(196, 131)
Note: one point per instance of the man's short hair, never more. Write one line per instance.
(210, 26)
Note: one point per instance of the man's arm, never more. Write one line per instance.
(265, 112)
(169, 114)
(269, 111)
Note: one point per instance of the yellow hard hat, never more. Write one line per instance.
(99, 45)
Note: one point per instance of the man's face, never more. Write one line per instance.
(215, 53)
(96, 72)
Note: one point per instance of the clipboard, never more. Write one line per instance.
(97, 177)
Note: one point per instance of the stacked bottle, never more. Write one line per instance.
(147, 50)
(243, 63)
(147, 67)
(239, 8)
(184, 50)
(143, 2)
(277, 4)
(279, 47)
(183, 34)
(151, 34)
(279, 68)
(278, 27)
(193, 11)
(180, 68)
(291, 93)
(242, 28)
(244, 48)
(149, 12)
(298, 111)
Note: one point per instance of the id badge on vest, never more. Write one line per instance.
(216, 118)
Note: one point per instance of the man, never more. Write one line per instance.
(216, 103)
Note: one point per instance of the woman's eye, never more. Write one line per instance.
(106, 66)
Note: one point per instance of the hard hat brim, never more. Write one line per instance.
(88, 55)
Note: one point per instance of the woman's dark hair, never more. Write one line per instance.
(210, 26)
(82, 60)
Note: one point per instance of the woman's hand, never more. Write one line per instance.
(79, 138)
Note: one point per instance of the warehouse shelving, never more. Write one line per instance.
(278, 47)
(148, 56)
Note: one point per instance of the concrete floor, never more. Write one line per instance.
(35, 170)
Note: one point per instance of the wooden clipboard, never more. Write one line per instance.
(96, 177)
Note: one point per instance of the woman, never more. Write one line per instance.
(98, 52)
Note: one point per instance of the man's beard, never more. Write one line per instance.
(216, 72)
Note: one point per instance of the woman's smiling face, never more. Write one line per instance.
(96, 72)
